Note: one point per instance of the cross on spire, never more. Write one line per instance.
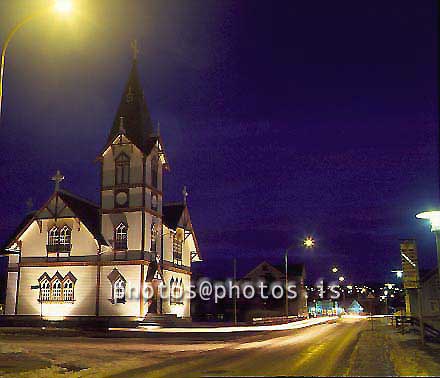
(134, 47)
(185, 195)
(121, 125)
(57, 178)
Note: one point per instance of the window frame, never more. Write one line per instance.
(122, 170)
(120, 241)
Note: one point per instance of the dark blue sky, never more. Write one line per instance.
(282, 119)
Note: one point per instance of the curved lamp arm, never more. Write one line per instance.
(6, 44)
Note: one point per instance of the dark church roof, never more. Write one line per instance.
(136, 119)
(17, 231)
(172, 213)
(86, 211)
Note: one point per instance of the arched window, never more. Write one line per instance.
(121, 236)
(53, 236)
(177, 249)
(176, 291)
(56, 290)
(64, 239)
(122, 169)
(154, 171)
(119, 291)
(68, 290)
(45, 291)
(153, 247)
(154, 202)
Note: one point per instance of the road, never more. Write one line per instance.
(320, 350)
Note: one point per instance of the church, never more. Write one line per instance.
(74, 258)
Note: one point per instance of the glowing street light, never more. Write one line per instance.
(63, 6)
(335, 269)
(341, 279)
(399, 273)
(60, 6)
(309, 242)
(434, 219)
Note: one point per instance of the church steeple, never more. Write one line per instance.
(133, 110)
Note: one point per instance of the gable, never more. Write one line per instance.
(264, 270)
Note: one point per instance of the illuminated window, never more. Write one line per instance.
(120, 291)
(68, 290)
(56, 290)
(153, 238)
(154, 202)
(122, 169)
(64, 239)
(53, 236)
(45, 290)
(176, 291)
(118, 283)
(121, 236)
(177, 250)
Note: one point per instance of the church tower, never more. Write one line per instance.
(132, 166)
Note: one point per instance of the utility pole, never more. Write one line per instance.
(286, 283)
(235, 295)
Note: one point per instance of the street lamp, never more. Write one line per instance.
(341, 279)
(434, 219)
(335, 269)
(308, 243)
(59, 6)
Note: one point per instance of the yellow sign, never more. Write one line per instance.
(410, 264)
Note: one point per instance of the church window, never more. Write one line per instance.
(154, 202)
(121, 236)
(154, 171)
(64, 239)
(56, 290)
(53, 236)
(68, 290)
(119, 291)
(122, 169)
(176, 291)
(153, 237)
(45, 290)
(177, 250)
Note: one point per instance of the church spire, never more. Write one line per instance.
(133, 109)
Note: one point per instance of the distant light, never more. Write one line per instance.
(335, 269)
(341, 279)
(63, 6)
(399, 273)
(433, 217)
(309, 242)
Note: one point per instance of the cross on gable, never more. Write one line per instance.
(57, 178)
(134, 47)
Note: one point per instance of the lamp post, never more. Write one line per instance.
(434, 219)
(308, 243)
(60, 6)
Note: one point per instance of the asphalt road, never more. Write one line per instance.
(321, 350)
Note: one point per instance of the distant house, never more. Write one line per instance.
(275, 274)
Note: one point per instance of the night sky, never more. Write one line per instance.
(282, 119)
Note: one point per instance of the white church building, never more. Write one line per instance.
(74, 258)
